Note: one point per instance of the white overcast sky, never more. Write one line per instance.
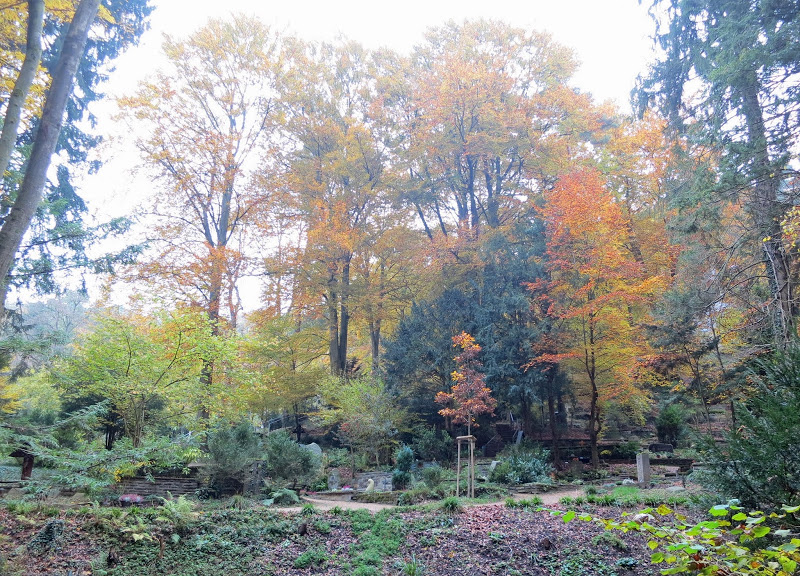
(610, 38)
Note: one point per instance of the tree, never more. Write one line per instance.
(24, 82)
(285, 353)
(758, 463)
(729, 78)
(486, 123)
(209, 121)
(336, 182)
(148, 367)
(368, 415)
(71, 54)
(30, 192)
(597, 292)
(469, 397)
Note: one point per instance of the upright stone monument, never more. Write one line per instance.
(334, 480)
(643, 468)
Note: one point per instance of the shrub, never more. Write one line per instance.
(283, 497)
(451, 505)
(178, 512)
(671, 424)
(231, 449)
(758, 463)
(288, 461)
(432, 476)
(414, 496)
(432, 444)
(626, 450)
(610, 540)
(315, 556)
(404, 458)
(401, 479)
(735, 542)
(523, 465)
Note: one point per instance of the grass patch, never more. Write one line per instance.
(314, 556)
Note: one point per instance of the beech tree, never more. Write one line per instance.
(488, 105)
(336, 181)
(597, 292)
(208, 122)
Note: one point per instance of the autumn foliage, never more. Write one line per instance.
(469, 396)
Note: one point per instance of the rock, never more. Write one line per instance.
(657, 447)
(15, 494)
(676, 489)
(628, 482)
(313, 448)
(493, 465)
(334, 480)
(643, 518)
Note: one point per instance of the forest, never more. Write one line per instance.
(453, 242)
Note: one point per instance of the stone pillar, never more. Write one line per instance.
(643, 468)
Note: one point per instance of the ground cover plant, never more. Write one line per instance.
(176, 539)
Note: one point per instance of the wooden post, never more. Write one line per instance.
(470, 440)
(472, 467)
(27, 462)
(458, 466)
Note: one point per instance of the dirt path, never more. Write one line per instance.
(548, 499)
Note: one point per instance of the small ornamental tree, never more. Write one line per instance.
(469, 396)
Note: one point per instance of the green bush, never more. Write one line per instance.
(432, 444)
(315, 556)
(735, 542)
(414, 496)
(626, 450)
(451, 505)
(523, 465)
(432, 476)
(758, 463)
(283, 497)
(231, 448)
(671, 424)
(404, 458)
(288, 461)
(400, 479)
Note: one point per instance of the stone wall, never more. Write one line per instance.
(383, 481)
(163, 486)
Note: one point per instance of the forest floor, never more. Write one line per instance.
(347, 539)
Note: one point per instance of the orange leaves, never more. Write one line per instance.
(598, 292)
(468, 397)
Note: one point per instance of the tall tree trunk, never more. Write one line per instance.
(27, 73)
(554, 432)
(375, 323)
(344, 315)
(767, 213)
(591, 371)
(44, 144)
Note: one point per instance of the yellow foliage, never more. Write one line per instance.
(9, 397)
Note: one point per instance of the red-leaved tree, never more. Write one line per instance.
(469, 396)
